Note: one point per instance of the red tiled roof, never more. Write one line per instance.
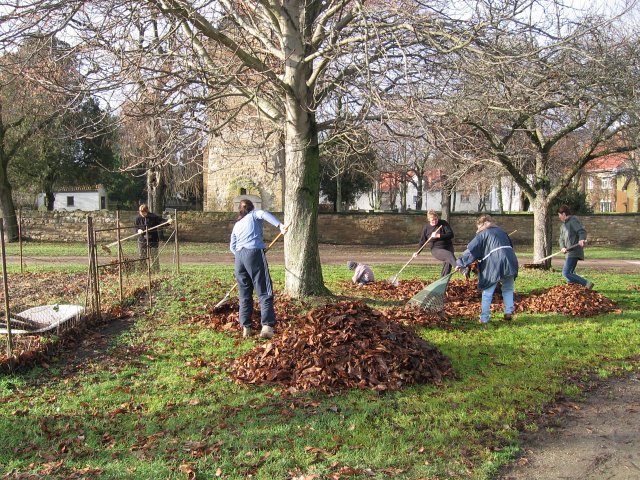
(608, 162)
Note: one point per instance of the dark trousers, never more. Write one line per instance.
(252, 273)
(445, 256)
(153, 255)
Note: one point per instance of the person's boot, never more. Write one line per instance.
(266, 332)
(247, 332)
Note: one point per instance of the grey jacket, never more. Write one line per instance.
(571, 232)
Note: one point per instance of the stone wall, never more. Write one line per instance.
(345, 229)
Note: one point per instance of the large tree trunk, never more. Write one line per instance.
(541, 228)
(7, 208)
(445, 202)
(156, 190)
(303, 272)
(419, 184)
(338, 193)
(49, 200)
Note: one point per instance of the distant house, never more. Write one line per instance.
(467, 197)
(609, 186)
(86, 198)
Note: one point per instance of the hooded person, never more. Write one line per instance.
(362, 273)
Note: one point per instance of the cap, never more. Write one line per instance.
(351, 264)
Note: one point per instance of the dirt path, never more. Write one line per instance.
(334, 255)
(593, 440)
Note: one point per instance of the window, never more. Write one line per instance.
(465, 197)
(103, 203)
(606, 183)
(70, 201)
(590, 183)
(605, 207)
(243, 191)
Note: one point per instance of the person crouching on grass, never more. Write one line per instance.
(362, 273)
(497, 262)
(251, 268)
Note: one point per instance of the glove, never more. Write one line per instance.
(169, 220)
(283, 228)
(140, 231)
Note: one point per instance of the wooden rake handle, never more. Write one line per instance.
(557, 253)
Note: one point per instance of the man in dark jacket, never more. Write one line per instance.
(573, 238)
(149, 235)
(497, 262)
(440, 234)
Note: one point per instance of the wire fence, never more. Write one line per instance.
(120, 268)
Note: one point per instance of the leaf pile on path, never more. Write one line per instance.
(569, 299)
(343, 346)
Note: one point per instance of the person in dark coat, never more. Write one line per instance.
(573, 238)
(149, 236)
(497, 262)
(441, 236)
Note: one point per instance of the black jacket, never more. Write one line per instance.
(445, 241)
(150, 221)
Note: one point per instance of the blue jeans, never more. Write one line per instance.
(508, 286)
(568, 271)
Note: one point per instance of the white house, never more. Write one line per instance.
(86, 198)
(468, 198)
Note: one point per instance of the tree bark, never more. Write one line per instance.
(7, 207)
(541, 228)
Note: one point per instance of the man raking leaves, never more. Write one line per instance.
(251, 268)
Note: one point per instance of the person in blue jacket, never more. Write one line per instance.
(251, 268)
(497, 262)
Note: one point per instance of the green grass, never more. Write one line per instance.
(160, 402)
(49, 249)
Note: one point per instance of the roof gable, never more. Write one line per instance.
(608, 162)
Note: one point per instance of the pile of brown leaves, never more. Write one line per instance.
(404, 290)
(413, 316)
(569, 299)
(340, 346)
(225, 317)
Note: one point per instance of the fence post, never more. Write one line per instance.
(6, 296)
(175, 232)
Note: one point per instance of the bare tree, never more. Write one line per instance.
(544, 87)
(29, 108)
(284, 60)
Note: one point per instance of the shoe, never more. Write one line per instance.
(266, 332)
(508, 317)
(589, 286)
(247, 332)
(482, 322)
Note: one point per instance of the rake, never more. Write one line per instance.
(538, 264)
(235, 285)
(431, 298)
(394, 280)
(107, 248)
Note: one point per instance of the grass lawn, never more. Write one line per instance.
(158, 403)
(49, 249)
